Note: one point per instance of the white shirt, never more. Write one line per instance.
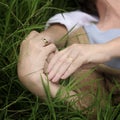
(72, 20)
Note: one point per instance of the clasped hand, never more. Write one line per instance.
(67, 61)
(34, 53)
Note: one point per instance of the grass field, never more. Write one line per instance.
(17, 19)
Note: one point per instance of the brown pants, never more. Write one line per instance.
(90, 81)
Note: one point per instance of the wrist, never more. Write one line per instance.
(105, 51)
(98, 53)
(23, 75)
(55, 32)
(113, 48)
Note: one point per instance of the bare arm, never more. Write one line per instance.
(114, 48)
(32, 58)
(54, 33)
(67, 61)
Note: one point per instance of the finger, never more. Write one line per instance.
(32, 34)
(44, 53)
(62, 68)
(51, 56)
(47, 50)
(50, 49)
(55, 59)
(35, 40)
(56, 77)
(73, 67)
(39, 39)
(57, 66)
(48, 60)
(45, 67)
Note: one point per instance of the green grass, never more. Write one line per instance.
(17, 19)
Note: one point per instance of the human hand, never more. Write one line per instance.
(32, 58)
(33, 54)
(67, 61)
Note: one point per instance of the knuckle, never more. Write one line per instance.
(23, 43)
(59, 74)
(34, 44)
(75, 45)
(61, 60)
(33, 32)
(53, 45)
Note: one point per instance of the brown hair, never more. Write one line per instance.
(88, 6)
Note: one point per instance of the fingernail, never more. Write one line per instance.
(54, 80)
(49, 76)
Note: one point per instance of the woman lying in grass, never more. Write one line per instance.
(92, 56)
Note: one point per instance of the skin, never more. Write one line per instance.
(109, 19)
(62, 66)
(67, 61)
(32, 58)
(31, 70)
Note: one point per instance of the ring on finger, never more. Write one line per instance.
(46, 42)
(70, 59)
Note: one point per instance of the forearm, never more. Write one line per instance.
(35, 83)
(61, 23)
(114, 48)
(102, 53)
(55, 33)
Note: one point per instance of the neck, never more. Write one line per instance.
(109, 19)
